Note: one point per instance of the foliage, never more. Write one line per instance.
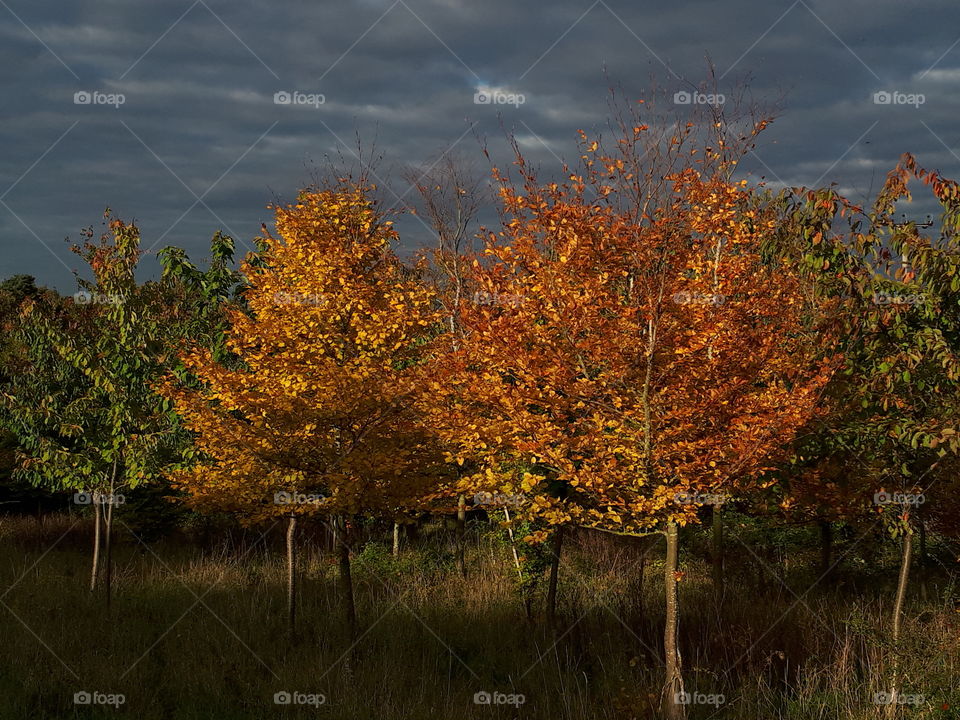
(321, 402)
(625, 351)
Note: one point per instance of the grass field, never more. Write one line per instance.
(194, 634)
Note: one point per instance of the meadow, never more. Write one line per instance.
(198, 629)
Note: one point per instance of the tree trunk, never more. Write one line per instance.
(462, 533)
(673, 687)
(826, 548)
(335, 533)
(346, 582)
(95, 567)
(107, 552)
(557, 545)
(513, 545)
(107, 535)
(897, 612)
(637, 586)
(396, 539)
(291, 576)
(717, 548)
(922, 528)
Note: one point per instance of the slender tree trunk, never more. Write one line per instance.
(717, 548)
(291, 576)
(826, 548)
(922, 528)
(462, 533)
(637, 584)
(923, 560)
(346, 582)
(107, 536)
(396, 539)
(108, 552)
(95, 567)
(557, 546)
(905, 558)
(513, 545)
(673, 688)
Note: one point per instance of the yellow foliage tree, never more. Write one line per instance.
(318, 417)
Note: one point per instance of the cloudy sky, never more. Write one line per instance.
(173, 113)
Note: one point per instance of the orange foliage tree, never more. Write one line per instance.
(632, 348)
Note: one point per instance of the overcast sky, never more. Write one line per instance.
(202, 141)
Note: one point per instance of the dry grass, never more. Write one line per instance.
(194, 635)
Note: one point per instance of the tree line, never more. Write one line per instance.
(633, 347)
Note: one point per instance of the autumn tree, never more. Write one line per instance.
(639, 350)
(317, 417)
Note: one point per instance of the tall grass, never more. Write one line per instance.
(196, 634)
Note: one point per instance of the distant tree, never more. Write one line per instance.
(81, 406)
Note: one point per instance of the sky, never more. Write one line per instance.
(192, 116)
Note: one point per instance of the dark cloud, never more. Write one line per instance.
(199, 143)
